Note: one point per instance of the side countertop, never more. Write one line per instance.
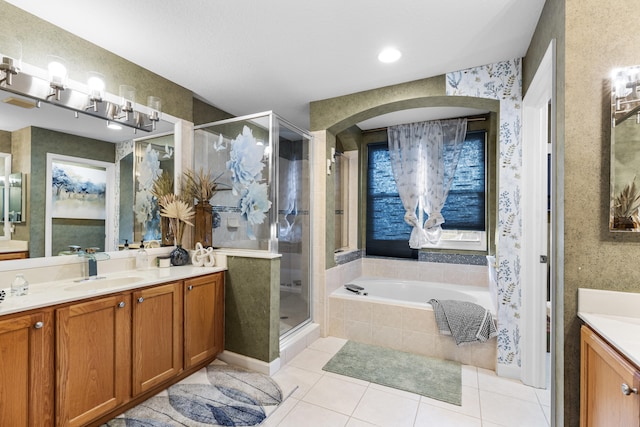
(615, 316)
(63, 291)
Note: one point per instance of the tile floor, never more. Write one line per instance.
(324, 399)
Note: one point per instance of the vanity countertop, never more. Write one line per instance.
(58, 292)
(13, 246)
(615, 316)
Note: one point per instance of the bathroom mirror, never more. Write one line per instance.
(28, 133)
(624, 213)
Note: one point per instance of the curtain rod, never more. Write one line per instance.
(469, 119)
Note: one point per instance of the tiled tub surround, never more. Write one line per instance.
(398, 326)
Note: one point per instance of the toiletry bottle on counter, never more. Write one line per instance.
(142, 260)
(19, 286)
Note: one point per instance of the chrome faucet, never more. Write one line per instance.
(92, 262)
(90, 254)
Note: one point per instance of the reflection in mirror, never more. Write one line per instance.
(144, 162)
(5, 172)
(625, 150)
(16, 197)
(28, 134)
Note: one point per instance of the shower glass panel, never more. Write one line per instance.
(263, 200)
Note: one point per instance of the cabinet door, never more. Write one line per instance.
(203, 318)
(603, 372)
(93, 346)
(157, 335)
(26, 370)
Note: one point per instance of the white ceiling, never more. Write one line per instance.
(247, 56)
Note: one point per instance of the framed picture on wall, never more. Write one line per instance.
(78, 190)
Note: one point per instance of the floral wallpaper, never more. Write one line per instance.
(503, 81)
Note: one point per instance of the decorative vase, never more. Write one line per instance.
(179, 256)
(166, 232)
(203, 223)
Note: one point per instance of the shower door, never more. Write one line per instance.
(293, 225)
(263, 201)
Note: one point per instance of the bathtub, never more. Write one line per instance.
(396, 314)
(416, 294)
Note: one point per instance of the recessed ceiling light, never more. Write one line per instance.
(113, 126)
(390, 54)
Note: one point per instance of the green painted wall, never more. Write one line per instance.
(338, 116)
(5, 142)
(205, 113)
(252, 307)
(40, 38)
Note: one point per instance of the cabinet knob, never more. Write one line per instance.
(626, 390)
(190, 287)
(38, 325)
(140, 299)
(121, 304)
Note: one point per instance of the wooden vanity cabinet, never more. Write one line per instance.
(609, 385)
(157, 335)
(203, 318)
(26, 370)
(93, 355)
(108, 353)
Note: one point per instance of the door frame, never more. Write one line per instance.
(537, 120)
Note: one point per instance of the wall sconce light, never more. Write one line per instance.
(57, 76)
(155, 104)
(96, 89)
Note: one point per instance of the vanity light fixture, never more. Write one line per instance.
(96, 89)
(128, 95)
(11, 59)
(155, 104)
(389, 55)
(625, 94)
(90, 98)
(57, 76)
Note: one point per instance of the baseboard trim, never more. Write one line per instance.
(267, 368)
(508, 371)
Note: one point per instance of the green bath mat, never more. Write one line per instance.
(426, 376)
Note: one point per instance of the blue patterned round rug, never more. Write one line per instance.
(219, 395)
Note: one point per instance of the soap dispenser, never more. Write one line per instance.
(142, 260)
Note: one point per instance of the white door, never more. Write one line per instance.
(538, 108)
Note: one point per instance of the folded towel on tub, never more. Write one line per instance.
(465, 321)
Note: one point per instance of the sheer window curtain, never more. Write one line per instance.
(424, 157)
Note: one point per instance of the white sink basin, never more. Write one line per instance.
(103, 283)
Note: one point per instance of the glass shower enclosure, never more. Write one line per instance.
(263, 169)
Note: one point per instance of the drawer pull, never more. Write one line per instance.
(38, 325)
(140, 299)
(626, 390)
(121, 304)
(190, 287)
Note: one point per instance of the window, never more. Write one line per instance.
(464, 211)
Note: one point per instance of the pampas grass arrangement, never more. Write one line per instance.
(199, 185)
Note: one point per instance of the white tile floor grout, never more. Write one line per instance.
(324, 399)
